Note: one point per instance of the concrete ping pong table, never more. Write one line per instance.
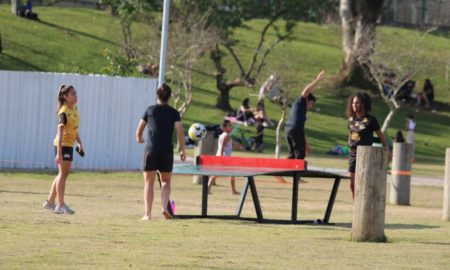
(249, 168)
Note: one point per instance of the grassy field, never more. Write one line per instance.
(74, 40)
(106, 233)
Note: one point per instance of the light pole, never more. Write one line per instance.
(165, 31)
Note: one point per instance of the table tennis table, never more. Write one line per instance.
(206, 165)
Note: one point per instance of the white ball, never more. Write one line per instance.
(197, 132)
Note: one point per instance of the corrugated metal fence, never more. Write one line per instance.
(109, 108)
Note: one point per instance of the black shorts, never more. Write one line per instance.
(67, 153)
(352, 161)
(296, 143)
(157, 161)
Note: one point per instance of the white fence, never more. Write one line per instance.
(109, 108)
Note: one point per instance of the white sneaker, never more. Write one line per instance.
(63, 209)
(49, 206)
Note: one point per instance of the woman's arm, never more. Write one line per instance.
(180, 135)
(140, 130)
(58, 157)
(224, 142)
(80, 144)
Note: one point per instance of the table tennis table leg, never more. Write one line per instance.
(255, 198)
(334, 191)
(205, 196)
(242, 198)
(294, 197)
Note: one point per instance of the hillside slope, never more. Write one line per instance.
(74, 40)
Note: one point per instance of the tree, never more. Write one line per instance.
(190, 36)
(231, 14)
(358, 21)
(390, 70)
(128, 12)
(277, 91)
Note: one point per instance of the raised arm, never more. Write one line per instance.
(312, 85)
(180, 136)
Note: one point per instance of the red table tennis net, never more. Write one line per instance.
(292, 164)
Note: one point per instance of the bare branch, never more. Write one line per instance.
(261, 42)
(236, 59)
(267, 52)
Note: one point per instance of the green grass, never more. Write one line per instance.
(106, 233)
(74, 39)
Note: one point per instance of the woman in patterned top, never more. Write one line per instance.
(67, 135)
(361, 126)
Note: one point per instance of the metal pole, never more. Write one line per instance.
(165, 30)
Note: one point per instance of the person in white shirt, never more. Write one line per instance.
(411, 131)
(225, 147)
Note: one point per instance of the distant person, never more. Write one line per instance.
(68, 122)
(260, 118)
(361, 126)
(245, 113)
(160, 120)
(411, 132)
(427, 95)
(224, 149)
(26, 11)
(406, 90)
(295, 126)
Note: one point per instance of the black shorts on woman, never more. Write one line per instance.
(67, 153)
(158, 161)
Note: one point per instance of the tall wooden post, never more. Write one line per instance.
(446, 214)
(207, 146)
(401, 173)
(370, 194)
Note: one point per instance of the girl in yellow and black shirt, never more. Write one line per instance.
(66, 137)
(361, 126)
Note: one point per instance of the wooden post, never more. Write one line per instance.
(446, 214)
(401, 173)
(207, 146)
(370, 194)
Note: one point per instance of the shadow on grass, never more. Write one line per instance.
(434, 243)
(44, 193)
(394, 226)
(25, 64)
(71, 31)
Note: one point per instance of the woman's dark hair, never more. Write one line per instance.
(311, 97)
(365, 101)
(399, 137)
(63, 91)
(225, 123)
(246, 103)
(163, 93)
(427, 85)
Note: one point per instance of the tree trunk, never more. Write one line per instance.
(358, 22)
(388, 119)
(279, 138)
(15, 5)
(223, 100)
